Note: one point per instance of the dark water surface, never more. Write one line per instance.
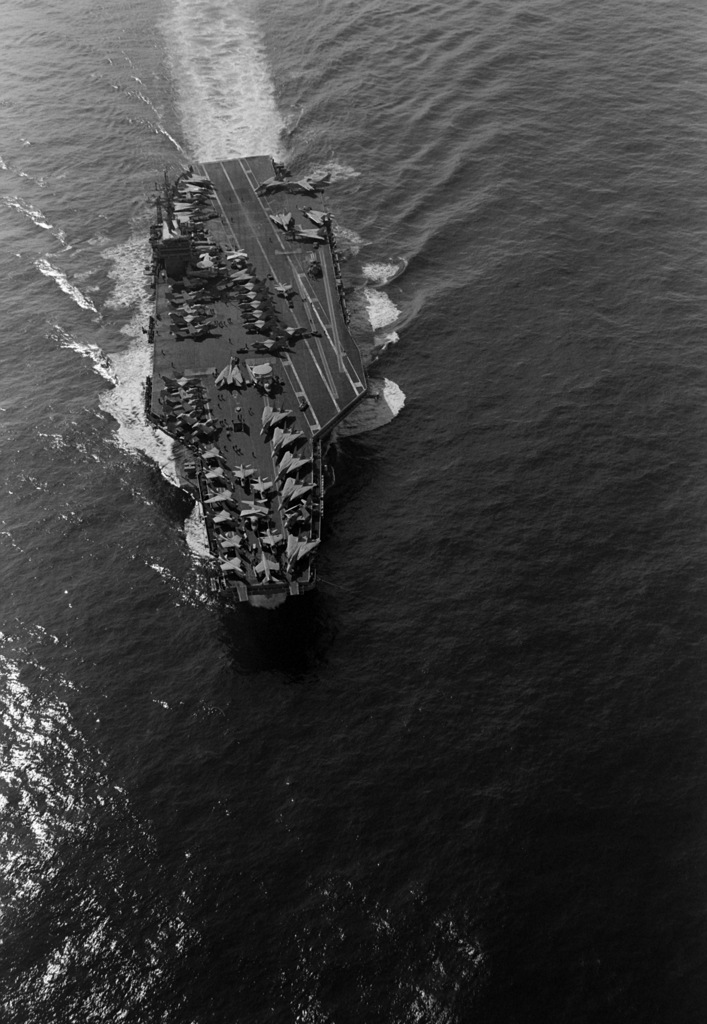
(467, 779)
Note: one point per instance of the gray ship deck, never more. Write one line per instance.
(315, 371)
(325, 372)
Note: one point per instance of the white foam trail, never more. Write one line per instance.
(157, 123)
(195, 529)
(45, 267)
(381, 274)
(3, 165)
(226, 95)
(394, 396)
(130, 368)
(35, 215)
(385, 398)
(126, 402)
(338, 172)
(381, 309)
(348, 239)
(101, 363)
(177, 145)
(384, 401)
(184, 595)
(382, 312)
(127, 272)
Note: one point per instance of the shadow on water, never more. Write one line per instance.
(176, 504)
(354, 462)
(292, 639)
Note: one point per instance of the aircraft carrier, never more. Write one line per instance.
(253, 363)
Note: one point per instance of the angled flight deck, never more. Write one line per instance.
(328, 365)
(253, 362)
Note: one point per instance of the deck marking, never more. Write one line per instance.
(299, 392)
(332, 385)
(318, 311)
(333, 323)
(246, 217)
(326, 382)
(314, 302)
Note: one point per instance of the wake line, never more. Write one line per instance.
(45, 267)
(226, 95)
(101, 363)
(125, 402)
(35, 215)
(159, 130)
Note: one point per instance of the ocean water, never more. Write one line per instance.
(466, 780)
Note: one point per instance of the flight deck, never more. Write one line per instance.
(253, 361)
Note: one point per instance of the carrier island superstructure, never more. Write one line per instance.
(253, 363)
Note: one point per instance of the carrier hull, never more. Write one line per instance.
(253, 364)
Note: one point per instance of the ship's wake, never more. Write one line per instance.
(382, 311)
(132, 365)
(126, 369)
(75, 293)
(226, 94)
(87, 350)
